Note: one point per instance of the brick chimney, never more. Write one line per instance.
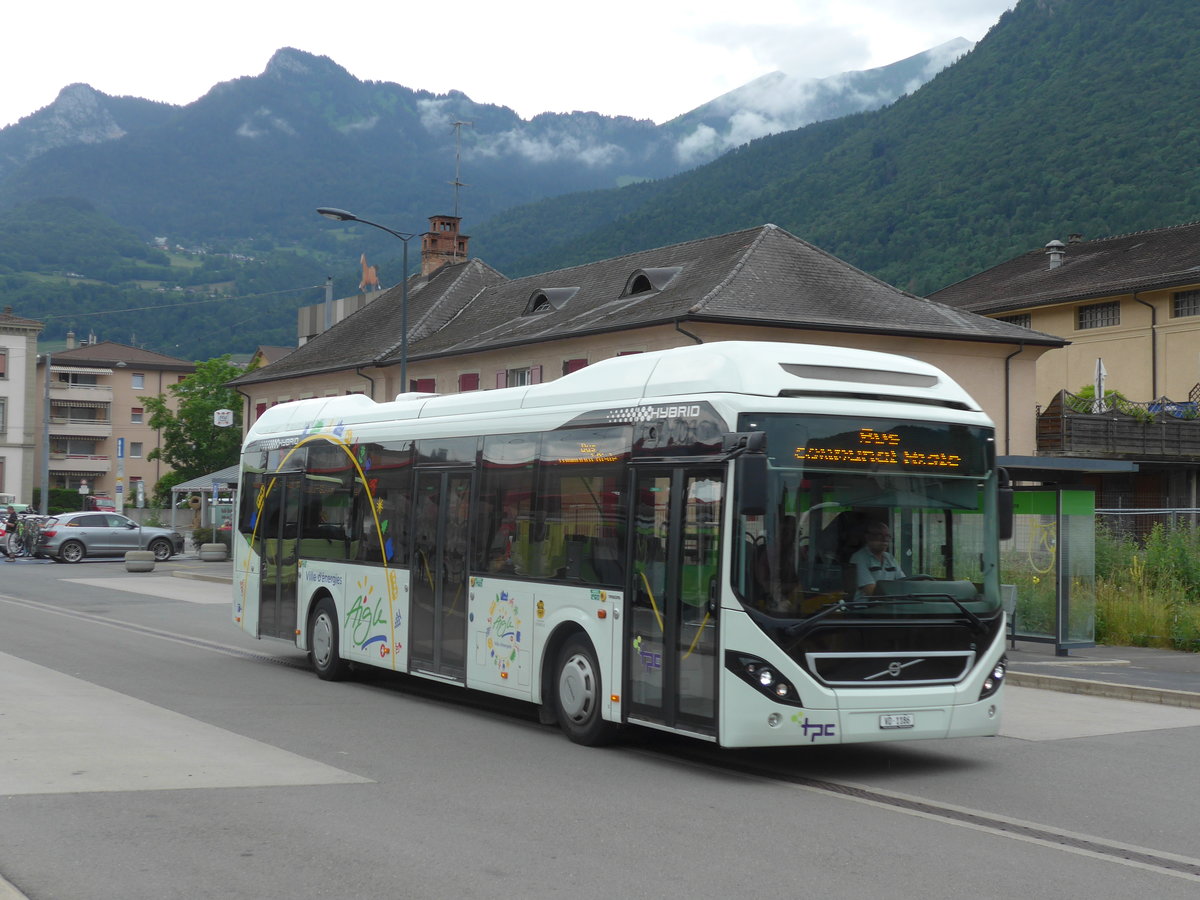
(442, 243)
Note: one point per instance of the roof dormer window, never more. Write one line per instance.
(645, 281)
(546, 299)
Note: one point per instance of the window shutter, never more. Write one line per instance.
(535, 374)
(573, 365)
(502, 379)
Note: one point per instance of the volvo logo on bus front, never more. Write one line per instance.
(894, 668)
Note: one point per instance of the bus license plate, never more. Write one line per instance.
(897, 720)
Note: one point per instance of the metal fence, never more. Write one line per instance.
(1138, 523)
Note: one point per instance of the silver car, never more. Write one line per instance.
(72, 536)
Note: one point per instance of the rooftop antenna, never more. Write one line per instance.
(458, 126)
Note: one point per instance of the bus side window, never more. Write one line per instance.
(501, 529)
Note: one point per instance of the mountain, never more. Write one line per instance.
(1068, 116)
(235, 177)
(780, 102)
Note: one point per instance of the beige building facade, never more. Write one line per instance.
(99, 431)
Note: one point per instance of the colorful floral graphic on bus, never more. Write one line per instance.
(364, 615)
(504, 632)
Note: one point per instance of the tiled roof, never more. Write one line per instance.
(374, 331)
(13, 321)
(1144, 260)
(759, 276)
(106, 353)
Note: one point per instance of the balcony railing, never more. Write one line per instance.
(77, 427)
(75, 462)
(92, 393)
(1079, 426)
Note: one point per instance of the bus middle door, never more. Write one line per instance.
(438, 616)
(671, 664)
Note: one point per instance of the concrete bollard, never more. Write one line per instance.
(213, 552)
(139, 561)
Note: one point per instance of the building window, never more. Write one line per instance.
(468, 382)
(3, 363)
(1185, 303)
(135, 449)
(135, 415)
(519, 377)
(1098, 315)
(139, 382)
(3, 415)
(1025, 320)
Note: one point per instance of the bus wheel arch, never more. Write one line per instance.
(324, 640)
(573, 690)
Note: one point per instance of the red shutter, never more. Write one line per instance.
(468, 382)
(259, 409)
(573, 365)
(425, 385)
(501, 379)
(535, 375)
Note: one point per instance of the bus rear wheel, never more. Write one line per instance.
(323, 643)
(579, 695)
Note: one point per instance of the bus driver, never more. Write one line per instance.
(872, 562)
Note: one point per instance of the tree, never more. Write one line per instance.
(191, 444)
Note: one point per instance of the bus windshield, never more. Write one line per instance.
(870, 518)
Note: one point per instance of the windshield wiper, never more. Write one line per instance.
(800, 629)
(973, 620)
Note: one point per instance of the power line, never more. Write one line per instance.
(109, 312)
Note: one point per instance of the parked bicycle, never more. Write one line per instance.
(23, 540)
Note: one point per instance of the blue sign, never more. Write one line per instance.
(120, 448)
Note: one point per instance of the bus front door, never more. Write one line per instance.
(438, 615)
(671, 664)
(279, 529)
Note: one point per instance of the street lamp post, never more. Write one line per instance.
(44, 499)
(340, 215)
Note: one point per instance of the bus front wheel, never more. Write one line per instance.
(323, 643)
(579, 696)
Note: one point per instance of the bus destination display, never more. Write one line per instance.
(870, 449)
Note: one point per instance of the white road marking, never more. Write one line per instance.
(164, 587)
(60, 734)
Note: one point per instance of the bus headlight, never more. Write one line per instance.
(995, 679)
(763, 677)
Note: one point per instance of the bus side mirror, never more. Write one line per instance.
(1004, 507)
(752, 484)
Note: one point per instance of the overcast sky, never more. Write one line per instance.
(646, 58)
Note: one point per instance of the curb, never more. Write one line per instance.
(1160, 696)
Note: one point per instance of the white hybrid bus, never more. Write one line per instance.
(671, 539)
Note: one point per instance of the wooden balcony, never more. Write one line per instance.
(1159, 430)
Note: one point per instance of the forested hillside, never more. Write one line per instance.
(1069, 116)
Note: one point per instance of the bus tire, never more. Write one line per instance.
(323, 643)
(579, 694)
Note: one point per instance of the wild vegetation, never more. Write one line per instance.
(1148, 592)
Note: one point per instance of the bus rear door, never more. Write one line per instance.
(279, 530)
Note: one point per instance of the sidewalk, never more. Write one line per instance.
(1167, 677)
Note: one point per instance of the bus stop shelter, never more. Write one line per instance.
(1048, 566)
(214, 494)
